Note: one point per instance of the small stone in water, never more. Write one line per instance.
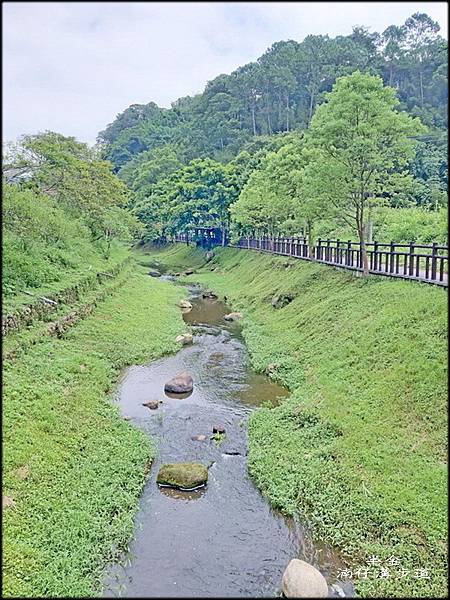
(180, 384)
(152, 404)
(185, 304)
(234, 316)
(218, 429)
(199, 438)
(185, 339)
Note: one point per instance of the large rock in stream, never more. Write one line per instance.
(180, 384)
(184, 476)
(302, 580)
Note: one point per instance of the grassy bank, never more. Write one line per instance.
(175, 258)
(359, 449)
(72, 466)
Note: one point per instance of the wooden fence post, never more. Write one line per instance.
(391, 257)
(411, 259)
(375, 256)
(433, 261)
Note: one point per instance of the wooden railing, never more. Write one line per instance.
(422, 262)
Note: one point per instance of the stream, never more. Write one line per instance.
(223, 540)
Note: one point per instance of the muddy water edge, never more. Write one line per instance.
(223, 540)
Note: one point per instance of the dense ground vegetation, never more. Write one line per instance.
(73, 468)
(62, 212)
(359, 448)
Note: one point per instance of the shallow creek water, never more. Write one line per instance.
(223, 540)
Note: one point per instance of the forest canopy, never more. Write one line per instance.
(245, 154)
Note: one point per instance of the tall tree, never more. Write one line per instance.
(421, 34)
(364, 143)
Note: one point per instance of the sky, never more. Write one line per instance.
(71, 67)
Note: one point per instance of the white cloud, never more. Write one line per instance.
(72, 66)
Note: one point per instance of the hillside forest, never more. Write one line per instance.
(247, 138)
(329, 137)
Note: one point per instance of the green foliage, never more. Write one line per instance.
(74, 512)
(280, 91)
(360, 152)
(39, 241)
(430, 170)
(359, 449)
(72, 174)
(402, 225)
(65, 217)
(269, 199)
(351, 94)
(411, 225)
(198, 194)
(363, 146)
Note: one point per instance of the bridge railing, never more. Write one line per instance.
(423, 262)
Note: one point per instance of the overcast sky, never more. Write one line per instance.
(71, 67)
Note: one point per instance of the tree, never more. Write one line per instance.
(363, 144)
(73, 174)
(270, 201)
(197, 195)
(421, 33)
(393, 41)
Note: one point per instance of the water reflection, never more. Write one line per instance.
(187, 496)
(223, 540)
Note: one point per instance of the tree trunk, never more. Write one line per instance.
(287, 112)
(369, 231)
(421, 87)
(269, 124)
(391, 73)
(310, 238)
(365, 262)
(311, 106)
(253, 120)
(223, 234)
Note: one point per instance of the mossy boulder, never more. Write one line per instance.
(184, 476)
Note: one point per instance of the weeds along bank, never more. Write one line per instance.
(359, 448)
(72, 467)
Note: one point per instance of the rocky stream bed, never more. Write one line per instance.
(223, 539)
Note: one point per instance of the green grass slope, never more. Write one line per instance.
(359, 449)
(72, 466)
(45, 248)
